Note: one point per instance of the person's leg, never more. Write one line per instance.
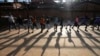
(47, 27)
(67, 26)
(14, 24)
(56, 27)
(73, 25)
(9, 26)
(86, 27)
(35, 25)
(61, 27)
(32, 27)
(18, 28)
(78, 27)
(70, 27)
(41, 28)
(28, 27)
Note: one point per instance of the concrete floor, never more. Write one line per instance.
(50, 43)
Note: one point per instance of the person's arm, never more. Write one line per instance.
(5, 16)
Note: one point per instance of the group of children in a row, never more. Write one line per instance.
(31, 22)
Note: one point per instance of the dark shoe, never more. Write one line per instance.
(77, 30)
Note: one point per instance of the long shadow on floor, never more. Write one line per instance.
(5, 37)
(2, 34)
(57, 45)
(15, 39)
(47, 43)
(98, 33)
(38, 38)
(26, 41)
(84, 43)
(69, 37)
(90, 37)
